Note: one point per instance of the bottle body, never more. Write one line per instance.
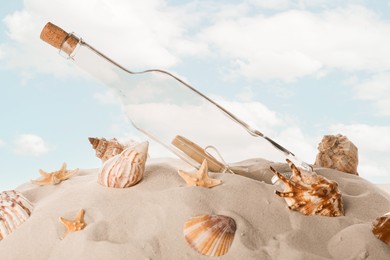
(170, 111)
(163, 107)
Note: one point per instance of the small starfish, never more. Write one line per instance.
(200, 178)
(54, 177)
(74, 225)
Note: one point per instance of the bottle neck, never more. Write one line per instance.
(69, 45)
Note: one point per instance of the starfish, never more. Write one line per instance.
(54, 177)
(74, 225)
(200, 178)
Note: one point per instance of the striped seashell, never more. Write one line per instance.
(125, 169)
(210, 235)
(14, 210)
(310, 193)
(381, 228)
(105, 149)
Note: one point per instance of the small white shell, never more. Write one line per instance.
(14, 210)
(125, 169)
(210, 235)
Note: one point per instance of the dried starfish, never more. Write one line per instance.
(54, 177)
(74, 225)
(200, 178)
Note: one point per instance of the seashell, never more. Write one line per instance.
(338, 152)
(105, 149)
(125, 169)
(310, 193)
(210, 235)
(17, 197)
(14, 210)
(381, 228)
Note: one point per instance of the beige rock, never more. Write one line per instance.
(338, 152)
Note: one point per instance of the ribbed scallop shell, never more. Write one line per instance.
(310, 193)
(14, 210)
(105, 149)
(125, 169)
(210, 235)
(381, 228)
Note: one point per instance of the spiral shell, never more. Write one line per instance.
(381, 228)
(210, 235)
(310, 193)
(105, 149)
(14, 210)
(125, 169)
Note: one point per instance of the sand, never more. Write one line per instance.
(384, 187)
(146, 220)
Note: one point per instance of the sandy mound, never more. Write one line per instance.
(146, 221)
(384, 187)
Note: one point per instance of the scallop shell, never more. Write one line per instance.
(381, 228)
(105, 149)
(14, 210)
(310, 193)
(125, 169)
(210, 235)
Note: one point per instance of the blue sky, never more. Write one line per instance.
(311, 67)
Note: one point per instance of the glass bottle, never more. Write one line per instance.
(170, 111)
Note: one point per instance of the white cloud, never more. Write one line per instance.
(373, 144)
(272, 4)
(121, 29)
(30, 144)
(376, 90)
(2, 143)
(286, 45)
(1, 52)
(300, 4)
(107, 97)
(296, 43)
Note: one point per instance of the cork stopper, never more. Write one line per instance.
(58, 38)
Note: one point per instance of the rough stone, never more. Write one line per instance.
(337, 152)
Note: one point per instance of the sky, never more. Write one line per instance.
(298, 70)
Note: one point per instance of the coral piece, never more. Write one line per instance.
(210, 235)
(381, 228)
(56, 177)
(15, 209)
(125, 169)
(200, 178)
(310, 193)
(74, 225)
(105, 149)
(337, 152)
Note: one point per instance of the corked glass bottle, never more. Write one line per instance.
(183, 120)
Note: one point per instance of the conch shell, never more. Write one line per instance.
(310, 193)
(381, 228)
(210, 235)
(14, 210)
(125, 169)
(105, 149)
